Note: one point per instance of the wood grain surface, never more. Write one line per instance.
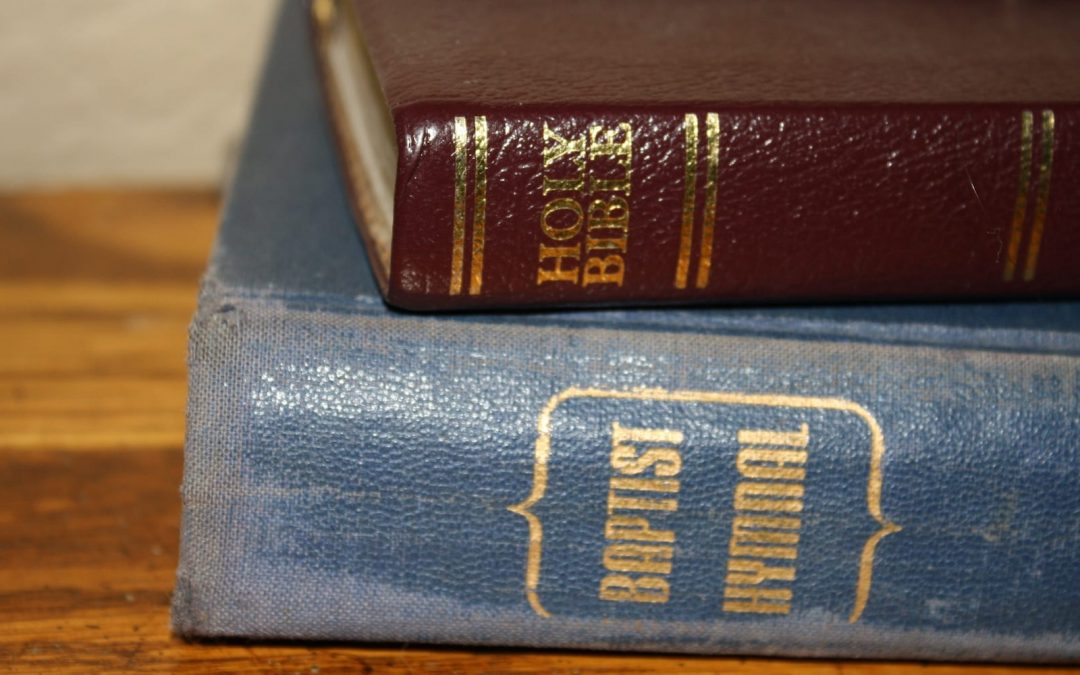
(96, 290)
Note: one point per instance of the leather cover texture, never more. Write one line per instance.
(650, 152)
(877, 481)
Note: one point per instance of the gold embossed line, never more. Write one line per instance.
(708, 217)
(689, 208)
(461, 203)
(1042, 194)
(461, 178)
(480, 140)
(1016, 231)
(686, 231)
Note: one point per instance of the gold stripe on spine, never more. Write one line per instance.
(480, 148)
(686, 234)
(461, 170)
(542, 454)
(1042, 194)
(1012, 253)
(708, 218)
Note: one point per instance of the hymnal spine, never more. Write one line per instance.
(539, 207)
(358, 474)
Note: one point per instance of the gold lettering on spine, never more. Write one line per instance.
(767, 529)
(686, 232)
(636, 453)
(603, 143)
(754, 536)
(589, 216)
(1042, 194)
(555, 149)
(635, 528)
(1016, 233)
(638, 558)
(708, 218)
(742, 599)
(476, 278)
(775, 474)
(797, 439)
(754, 572)
(461, 171)
(768, 497)
(768, 464)
(621, 588)
(562, 271)
(558, 228)
(645, 484)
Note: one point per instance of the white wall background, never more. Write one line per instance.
(125, 92)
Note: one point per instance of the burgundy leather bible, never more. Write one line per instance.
(506, 154)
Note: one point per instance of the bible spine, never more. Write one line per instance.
(533, 207)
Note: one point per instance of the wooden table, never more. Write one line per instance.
(96, 290)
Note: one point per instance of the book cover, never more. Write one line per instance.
(848, 481)
(604, 152)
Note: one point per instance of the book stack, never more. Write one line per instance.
(816, 479)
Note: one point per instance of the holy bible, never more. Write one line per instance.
(505, 154)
